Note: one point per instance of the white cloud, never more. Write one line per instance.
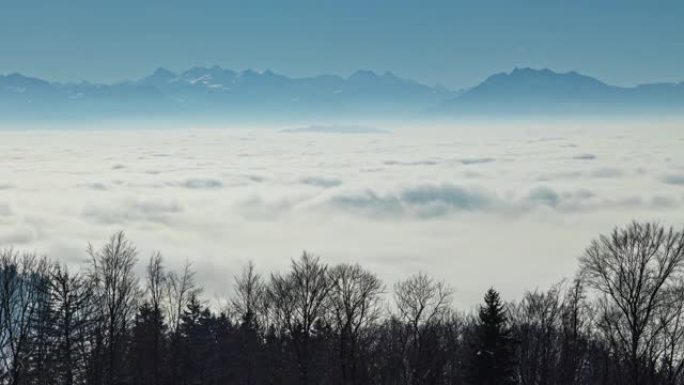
(17, 236)
(607, 172)
(5, 210)
(451, 202)
(420, 201)
(131, 210)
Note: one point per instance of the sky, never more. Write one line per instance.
(454, 43)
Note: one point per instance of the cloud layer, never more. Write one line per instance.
(452, 202)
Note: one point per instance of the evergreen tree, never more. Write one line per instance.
(147, 351)
(249, 344)
(196, 344)
(492, 358)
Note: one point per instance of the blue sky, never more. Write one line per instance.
(456, 43)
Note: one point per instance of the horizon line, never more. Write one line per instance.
(377, 73)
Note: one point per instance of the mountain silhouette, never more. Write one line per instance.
(531, 91)
(218, 93)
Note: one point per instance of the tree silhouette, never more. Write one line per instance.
(320, 324)
(492, 361)
(637, 271)
(147, 351)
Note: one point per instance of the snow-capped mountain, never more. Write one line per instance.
(215, 92)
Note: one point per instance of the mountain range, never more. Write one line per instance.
(223, 94)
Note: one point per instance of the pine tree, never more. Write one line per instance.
(196, 344)
(492, 359)
(147, 351)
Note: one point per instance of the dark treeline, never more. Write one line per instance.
(619, 321)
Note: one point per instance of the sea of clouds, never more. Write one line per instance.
(509, 205)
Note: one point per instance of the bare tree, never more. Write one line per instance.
(537, 321)
(117, 292)
(576, 327)
(21, 279)
(72, 308)
(354, 304)
(156, 281)
(297, 305)
(155, 287)
(671, 317)
(552, 329)
(249, 309)
(422, 304)
(633, 269)
(249, 303)
(179, 290)
(420, 300)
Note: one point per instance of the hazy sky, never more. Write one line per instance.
(456, 43)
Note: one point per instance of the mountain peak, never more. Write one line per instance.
(540, 78)
(527, 73)
(162, 74)
(363, 75)
(16, 78)
(524, 70)
(390, 75)
(161, 71)
(540, 91)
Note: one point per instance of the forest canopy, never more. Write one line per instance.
(619, 320)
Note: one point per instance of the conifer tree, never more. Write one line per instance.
(147, 351)
(492, 359)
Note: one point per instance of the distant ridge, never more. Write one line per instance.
(531, 91)
(224, 94)
(334, 129)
